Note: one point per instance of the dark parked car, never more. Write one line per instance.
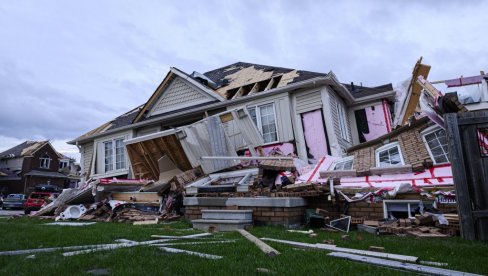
(13, 201)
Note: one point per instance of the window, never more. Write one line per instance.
(437, 145)
(119, 154)
(343, 125)
(264, 118)
(114, 155)
(389, 155)
(63, 164)
(45, 162)
(344, 164)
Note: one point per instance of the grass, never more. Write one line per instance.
(240, 258)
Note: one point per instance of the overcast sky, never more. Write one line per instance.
(68, 66)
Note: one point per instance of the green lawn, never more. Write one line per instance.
(240, 258)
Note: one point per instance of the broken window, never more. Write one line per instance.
(45, 162)
(437, 145)
(403, 208)
(344, 164)
(264, 118)
(389, 155)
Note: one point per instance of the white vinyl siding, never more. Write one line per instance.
(86, 157)
(436, 142)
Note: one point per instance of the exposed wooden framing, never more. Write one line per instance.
(153, 167)
(268, 250)
(414, 90)
(402, 258)
(398, 265)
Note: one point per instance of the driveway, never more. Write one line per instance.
(7, 213)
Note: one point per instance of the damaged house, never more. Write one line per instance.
(306, 113)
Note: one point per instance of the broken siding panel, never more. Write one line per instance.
(283, 117)
(282, 114)
(337, 116)
(86, 156)
(178, 95)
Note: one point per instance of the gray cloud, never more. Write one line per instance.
(67, 67)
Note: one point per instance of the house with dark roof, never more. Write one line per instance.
(31, 163)
(306, 113)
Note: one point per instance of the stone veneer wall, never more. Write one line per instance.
(287, 216)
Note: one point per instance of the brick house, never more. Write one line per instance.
(31, 163)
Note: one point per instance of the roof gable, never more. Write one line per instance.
(173, 74)
(26, 148)
(179, 94)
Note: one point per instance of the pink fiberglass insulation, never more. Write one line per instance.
(440, 175)
(379, 121)
(284, 148)
(314, 133)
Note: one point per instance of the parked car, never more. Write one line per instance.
(13, 201)
(37, 199)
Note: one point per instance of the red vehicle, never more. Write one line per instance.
(36, 200)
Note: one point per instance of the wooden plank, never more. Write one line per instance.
(136, 196)
(268, 250)
(202, 255)
(195, 236)
(398, 265)
(415, 89)
(459, 175)
(402, 258)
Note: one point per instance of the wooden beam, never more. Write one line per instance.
(459, 176)
(188, 252)
(402, 258)
(414, 90)
(268, 250)
(153, 170)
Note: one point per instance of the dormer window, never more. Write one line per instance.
(45, 162)
(63, 164)
(389, 155)
(436, 142)
(344, 164)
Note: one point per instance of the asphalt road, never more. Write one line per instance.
(6, 213)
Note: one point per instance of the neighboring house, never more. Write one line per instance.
(306, 113)
(31, 163)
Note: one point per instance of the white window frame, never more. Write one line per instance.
(258, 119)
(343, 160)
(99, 156)
(63, 161)
(46, 160)
(343, 122)
(387, 147)
(426, 132)
(114, 155)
